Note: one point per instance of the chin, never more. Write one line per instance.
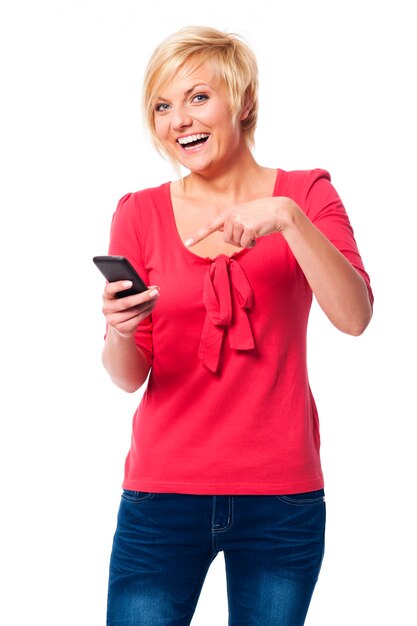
(198, 168)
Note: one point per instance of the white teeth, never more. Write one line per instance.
(184, 140)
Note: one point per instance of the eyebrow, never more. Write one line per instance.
(187, 93)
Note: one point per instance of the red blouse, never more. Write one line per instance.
(228, 408)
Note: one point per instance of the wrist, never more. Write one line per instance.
(118, 336)
(288, 213)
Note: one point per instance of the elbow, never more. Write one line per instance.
(358, 330)
(127, 387)
(358, 326)
(362, 314)
(363, 323)
(126, 384)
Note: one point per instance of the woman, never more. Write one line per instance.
(225, 444)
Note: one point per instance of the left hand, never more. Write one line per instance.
(243, 223)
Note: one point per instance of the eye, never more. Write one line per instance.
(199, 97)
(161, 107)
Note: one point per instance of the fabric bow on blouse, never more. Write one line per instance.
(227, 297)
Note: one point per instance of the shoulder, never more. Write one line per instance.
(305, 186)
(302, 180)
(132, 201)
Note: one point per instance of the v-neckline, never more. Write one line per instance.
(208, 259)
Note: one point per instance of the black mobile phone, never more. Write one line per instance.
(116, 268)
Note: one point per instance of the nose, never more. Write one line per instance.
(181, 118)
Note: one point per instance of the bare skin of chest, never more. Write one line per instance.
(192, 214)
(189, 219)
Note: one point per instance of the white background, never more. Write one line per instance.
(336, 92)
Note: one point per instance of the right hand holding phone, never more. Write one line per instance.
(124, 314)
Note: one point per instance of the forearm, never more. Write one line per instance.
(339, 289)
(125, 363)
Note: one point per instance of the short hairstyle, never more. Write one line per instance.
(234, 65)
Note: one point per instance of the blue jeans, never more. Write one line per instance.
(165, 542)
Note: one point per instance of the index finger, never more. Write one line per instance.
(118, 286)
(206, 230)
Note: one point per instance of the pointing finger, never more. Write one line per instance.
(204, 231)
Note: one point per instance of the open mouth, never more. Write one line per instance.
(192, 141)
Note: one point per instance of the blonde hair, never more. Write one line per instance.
(234, 65)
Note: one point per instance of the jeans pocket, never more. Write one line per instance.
(303, 499)
(136, 496)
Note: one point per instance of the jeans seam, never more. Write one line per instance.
(322, 546)
(230, 520)
(200, 584)
(312, 501)
(129, 498)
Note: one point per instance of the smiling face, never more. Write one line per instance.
(193, 120)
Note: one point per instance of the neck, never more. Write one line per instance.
(230, 180)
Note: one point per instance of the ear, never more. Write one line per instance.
(245, 111)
